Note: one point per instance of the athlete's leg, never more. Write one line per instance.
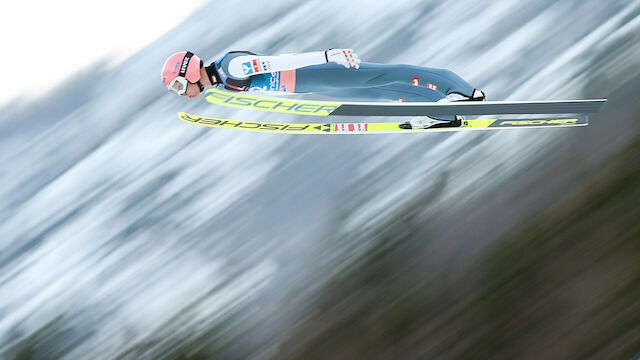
(392, 92)
(330, 77)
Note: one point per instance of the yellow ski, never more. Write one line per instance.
(378, 127)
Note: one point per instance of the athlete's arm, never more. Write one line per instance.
(247, 65)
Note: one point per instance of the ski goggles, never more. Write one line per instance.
(179, 85)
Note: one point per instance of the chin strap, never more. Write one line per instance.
(200, 85)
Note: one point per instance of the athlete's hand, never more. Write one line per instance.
(345, 57)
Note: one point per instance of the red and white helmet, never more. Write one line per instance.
(179, 68)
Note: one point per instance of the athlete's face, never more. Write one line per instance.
(193, 90)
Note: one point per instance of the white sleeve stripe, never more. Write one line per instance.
(244, 66)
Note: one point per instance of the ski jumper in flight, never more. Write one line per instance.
(336, 73)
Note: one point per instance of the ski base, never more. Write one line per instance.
(381, 127)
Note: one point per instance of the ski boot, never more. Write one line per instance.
(477, 95)
(425, 122)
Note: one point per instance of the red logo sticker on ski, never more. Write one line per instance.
(350, 127)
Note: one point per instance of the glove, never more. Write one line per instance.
(345, 57)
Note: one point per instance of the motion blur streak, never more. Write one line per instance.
(127, 234)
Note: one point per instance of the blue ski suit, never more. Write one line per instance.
(371, 81)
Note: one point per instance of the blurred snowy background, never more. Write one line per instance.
(127, 233)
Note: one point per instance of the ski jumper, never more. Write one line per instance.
(311, 73)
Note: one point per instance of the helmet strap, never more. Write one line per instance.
(185, 64)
